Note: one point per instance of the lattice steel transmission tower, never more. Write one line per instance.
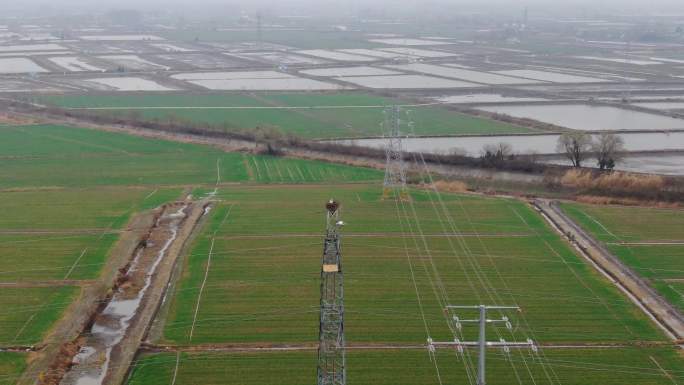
(331, 354)
(395, 170)
(482, 344)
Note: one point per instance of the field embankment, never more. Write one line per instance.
(662, 312)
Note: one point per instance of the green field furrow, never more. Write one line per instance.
(262, 279)
(250, 275)
(58, 234)
(412, 367)
(648, 240)
(72, 157)
(28, 313)
(11, 366)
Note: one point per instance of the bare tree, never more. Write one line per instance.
(607, 149)
(576, 146)
(496, 154)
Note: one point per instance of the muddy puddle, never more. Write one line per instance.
(92, 363)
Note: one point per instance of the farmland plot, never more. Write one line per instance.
(61, 217)
(259, 239)
(202, 61)
(255, 81)
(66, 234)
(463, 74)
(405, 82)
(133, 62)
(336, 55)
(28, 313)
(317, 115)
(19, 65)
(129, 84)
(414, 367)
(414, 52)
(74, 64)
(11, 366)
(54, 156)
(650, 241)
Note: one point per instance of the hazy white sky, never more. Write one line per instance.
(536, 6)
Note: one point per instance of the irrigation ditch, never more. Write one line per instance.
(97, 339)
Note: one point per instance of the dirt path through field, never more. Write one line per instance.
(638, 290)
(112, 341)
(45, 364)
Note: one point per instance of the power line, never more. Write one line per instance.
(482, 343)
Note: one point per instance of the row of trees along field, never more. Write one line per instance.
(606, 148)
(579, 146)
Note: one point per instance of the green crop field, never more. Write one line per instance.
(346, 116)
(413, 367)
(55, 234)
(27, 313)
(71, 157)
(250, 278)
(11, 366)
(66, 193)
(648, 240)
(262, 284)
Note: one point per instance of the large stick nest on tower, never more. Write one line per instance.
(332, 206)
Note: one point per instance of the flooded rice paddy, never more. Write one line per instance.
(349, 71)
(74, 64)
(522, 144)
(485, 98)
(254, 80)
(553, 77)
(424, 53)
(662, 105)
(666, 164)
(335, 55)
(650, 164)
(591, 118)
(406, 82)
(463, 74)
(129, 84)
(19, 65)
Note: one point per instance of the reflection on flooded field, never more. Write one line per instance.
(591, 118)
(523, 144)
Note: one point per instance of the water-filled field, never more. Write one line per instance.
(524, 144)
(591, 118)
(463, 74)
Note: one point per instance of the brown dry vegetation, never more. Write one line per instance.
(623, 186)
(15, 121)
(61, 363)
(603, 200)
(448, 186)
(617, 182)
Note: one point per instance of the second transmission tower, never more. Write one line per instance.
(395, 171)
(331, 355)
